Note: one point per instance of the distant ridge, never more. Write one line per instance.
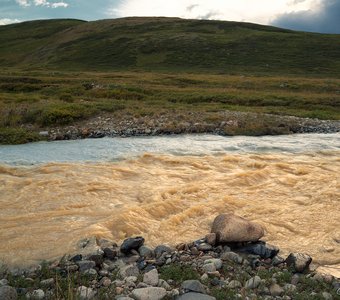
(167, 44)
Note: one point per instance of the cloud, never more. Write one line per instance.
(45, 3)
(323, 17)
(8, 21)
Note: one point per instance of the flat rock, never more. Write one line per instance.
(149, 293)
(192, 286)
(232, 228)
(85, 265)
(299, 261)
(8, 293)
(195, 296)
(131, 244)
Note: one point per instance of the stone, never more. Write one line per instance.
(232, 256)
(253, 283)
(85, 265)
(289, 288)
(210, 238)
(261, 249)
(299, 261)
(195, 296)
(151, 277)
(105, 281)
(91, 272)
(146, 252)
(88, 246)
(204, 247)
(208, 268)
(204, 277)
(47, 282)
(131, 244)
(232, 228)
(149, 293)
(327, 296)
(36, 295)
(162, 283)
(8, 293)
(277, 260)
(128, 270)
(85, 293)
(159, 250)
(234, 284)
(3, 282)
(192, 286)
(216, 261)
(110, 253)
(276, 290)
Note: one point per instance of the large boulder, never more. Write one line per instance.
(232, 228)
(298, 261)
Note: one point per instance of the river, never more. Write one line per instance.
(169, 189)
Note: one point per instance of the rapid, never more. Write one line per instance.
(169, 189)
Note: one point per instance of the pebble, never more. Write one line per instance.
(195, 296)
(192, 286)
(253, 283)
(36, 295)
(149, 293)
(151, 277)
(276, 290)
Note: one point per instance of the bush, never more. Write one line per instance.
(14, 136)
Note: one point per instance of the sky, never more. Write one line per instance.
(306, 15)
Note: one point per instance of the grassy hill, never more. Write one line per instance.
(168, 44)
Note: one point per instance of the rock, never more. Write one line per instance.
(85, 265)
(204, 247)
(91, 273)
(85, 293)
(105, 281)
(277, 260)
(327, 296)
(211, 239)
(8, 293)
(204, 277)
(151, 277)
(3, 282)
(261, 249)
(36, 295)
(253, 282)
(131, 244)
(289, 288)
(295, 279)
(149, 293)
(192, 286)
(43, 133)
(276, 290)
(128, 270)
(47, 282)
(300, 262)
(162, 283)
(88, 246)
(232, 256)
(195, 296)
(232, 228)
(234, 284)
(145, 252)
(110, 253)
(159, 250)
(208, 268)
(216, 261)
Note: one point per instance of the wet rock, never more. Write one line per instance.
(8, 293)
(149, 293)
(300, 262)
(253, 283)
(276, 290)
(86, 293)
(195, 296)
(151, 277)
(159, 250)
(192, 286)
(232, 228)
(131, 244)
(261, 249)
(36, 295)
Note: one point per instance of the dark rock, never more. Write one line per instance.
(76, 258)
(193, 286)
(211, 239)
(146, 252)
(299, 261)
(110, 253)
(97, 258)
(86, 265)
(261, 249)
(131, 244)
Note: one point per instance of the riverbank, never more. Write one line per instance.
(206, 269)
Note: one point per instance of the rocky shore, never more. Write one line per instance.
(221, 123)
(231, 262)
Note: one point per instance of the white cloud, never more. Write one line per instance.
(26, 3)
(260, 11)
(8, 21)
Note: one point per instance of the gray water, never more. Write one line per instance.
(113, 149)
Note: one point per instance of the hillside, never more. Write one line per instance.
(168, 44)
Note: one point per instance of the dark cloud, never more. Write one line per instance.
(324, 18)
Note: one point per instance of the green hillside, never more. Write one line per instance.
(168, 44)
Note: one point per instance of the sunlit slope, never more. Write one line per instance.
(168, 44)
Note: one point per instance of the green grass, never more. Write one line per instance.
(168, 45)
(178, 273)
